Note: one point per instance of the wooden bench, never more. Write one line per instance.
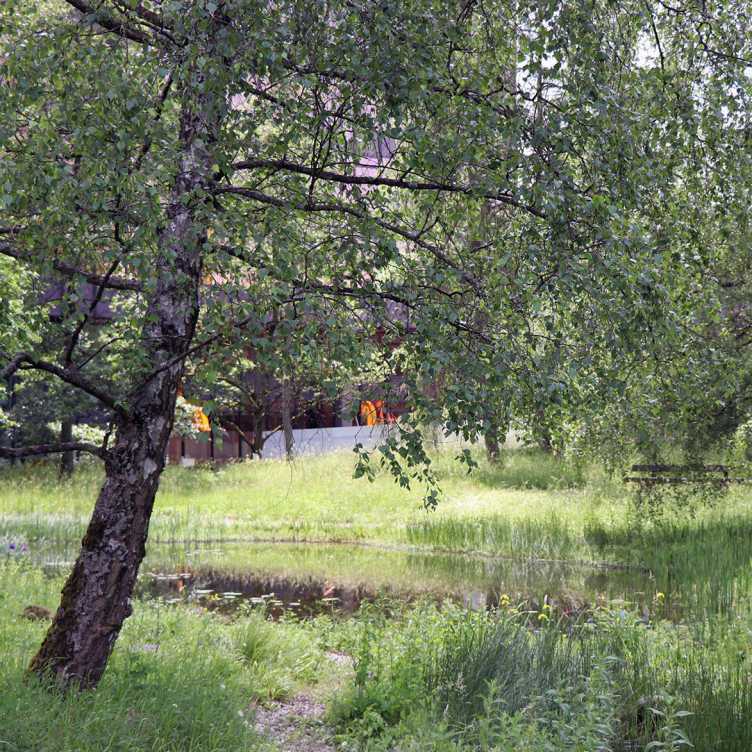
(677, 475)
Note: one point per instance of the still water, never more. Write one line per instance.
(309, 579)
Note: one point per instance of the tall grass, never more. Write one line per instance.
(429, 679)
(702, 565)
(549, 537)
(699, 561)
(531, 468)
(485, 682)
(315, 498)
(490, 682)
(178, 680)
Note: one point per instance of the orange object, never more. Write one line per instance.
(368, 413)
(374, 413)
(201, 421)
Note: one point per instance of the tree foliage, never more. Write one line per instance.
(503, 203)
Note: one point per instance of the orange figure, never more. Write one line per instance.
(368, 413)
(201, 421)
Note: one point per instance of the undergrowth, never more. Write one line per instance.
(179, 679)
(452, 680)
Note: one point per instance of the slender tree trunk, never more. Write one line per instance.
(258, 433)
(96, 598)
(66, 458)
(10, 403)
(494, 436)
(545, 440)
(493, 448)
(287, 420)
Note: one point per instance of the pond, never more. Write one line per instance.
(308, 579)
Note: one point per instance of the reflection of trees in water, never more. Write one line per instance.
(339, 578)
(220, 591)
(690, 583)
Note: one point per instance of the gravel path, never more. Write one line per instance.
(295, 725)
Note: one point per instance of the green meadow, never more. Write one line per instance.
(654, 657)
(312, 499)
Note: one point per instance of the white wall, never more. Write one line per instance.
(323, 440)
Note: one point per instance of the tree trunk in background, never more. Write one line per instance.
(287, 420)
(258, 433)
(494, 436)
(545, 443)
(9, 404)
(66, 458)
(493, 448)
(543, 433)
(96, 598)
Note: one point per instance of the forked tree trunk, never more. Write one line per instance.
(96, 597)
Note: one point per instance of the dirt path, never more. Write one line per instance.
(296, 725)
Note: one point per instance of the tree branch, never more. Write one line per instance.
(237, 324)
(26, 361)
(159, 106)
(111, 283)
(153, 21)
(76, 334)
(411, 185)
(313, 206)
(109, 21)
(340, 290)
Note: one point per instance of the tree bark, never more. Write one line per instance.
(286, 409)
(66, 458)
(494, 436)
(493, 448)
(96, 598)
(258, 432)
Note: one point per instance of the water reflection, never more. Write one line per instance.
(317, 578)
(310, 579)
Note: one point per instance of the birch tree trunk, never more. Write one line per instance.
(96, 598)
